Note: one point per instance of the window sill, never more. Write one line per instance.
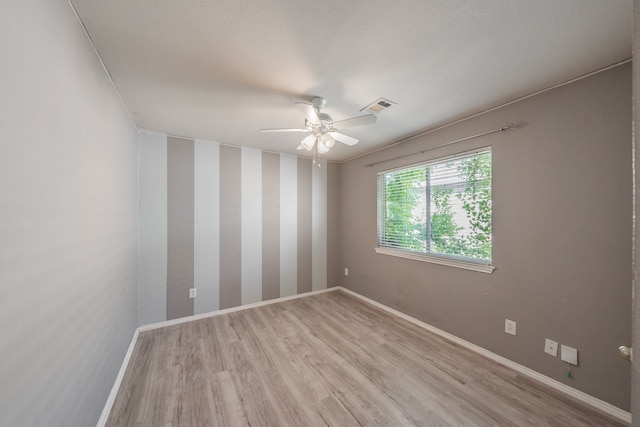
(483, 268)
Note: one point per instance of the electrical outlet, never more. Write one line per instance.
(510, 326)
(192, 292)
(551, 347)
(569, 354)
(346, 271)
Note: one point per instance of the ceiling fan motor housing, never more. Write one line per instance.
(324, 117)
(318, 102)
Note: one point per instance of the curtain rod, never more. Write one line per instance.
(506, 128)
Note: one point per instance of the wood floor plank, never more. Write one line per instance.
(228, 409)
(326, 360)
(251, 388)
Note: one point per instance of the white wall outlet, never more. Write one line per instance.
(510, 326)
(551, 347)
(569, 354)
(192, 292)
(346, 271)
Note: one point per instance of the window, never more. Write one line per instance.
(438, 211)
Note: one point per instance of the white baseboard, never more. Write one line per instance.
(102, 421)
(594, 402)
(230, 310)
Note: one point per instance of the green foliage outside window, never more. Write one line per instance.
(404, 229)
(442, 208)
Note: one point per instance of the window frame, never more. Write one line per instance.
(442, 259)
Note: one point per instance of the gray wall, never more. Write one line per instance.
(561, 229)
(333, 191)
(68, 229)
(238, 224)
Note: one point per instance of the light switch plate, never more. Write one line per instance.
(569, 354)
(551, 347)
(193, 292)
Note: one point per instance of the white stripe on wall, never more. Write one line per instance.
(288, 225)
(206, 226)
(319, 226)
(152, 289)
(152, 266)
(251, 225)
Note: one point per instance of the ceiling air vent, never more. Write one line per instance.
(378, 105)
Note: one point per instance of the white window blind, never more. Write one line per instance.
(440, 208)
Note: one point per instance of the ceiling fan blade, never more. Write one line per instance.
(367, 119)
(345, 139)
(284, 130)
(309, 112)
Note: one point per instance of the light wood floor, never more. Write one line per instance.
(325, 360)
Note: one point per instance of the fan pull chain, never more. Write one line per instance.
(315, 150)
(315, 153)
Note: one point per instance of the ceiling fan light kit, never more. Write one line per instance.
(322, 148)
(308, 142)
(322, 127)
(327, 140)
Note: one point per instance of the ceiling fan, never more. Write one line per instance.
(322, 127)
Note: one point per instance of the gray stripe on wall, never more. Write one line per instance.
(251, 225)
(206, 227)
(284, 217)
(270, 226)
(152, 215)
(230, 227)
(180, 205)
(319, 221)
(305, 235)
(333, 267)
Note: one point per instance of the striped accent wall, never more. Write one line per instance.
(238, 224)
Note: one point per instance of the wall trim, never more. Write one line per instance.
(226, 144)
(583, 397)
(102, 421)
(497, 107)
(104, 67)
(187, 319)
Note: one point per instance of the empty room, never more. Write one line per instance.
(297, 213)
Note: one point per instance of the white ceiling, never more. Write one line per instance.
(221, 70)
